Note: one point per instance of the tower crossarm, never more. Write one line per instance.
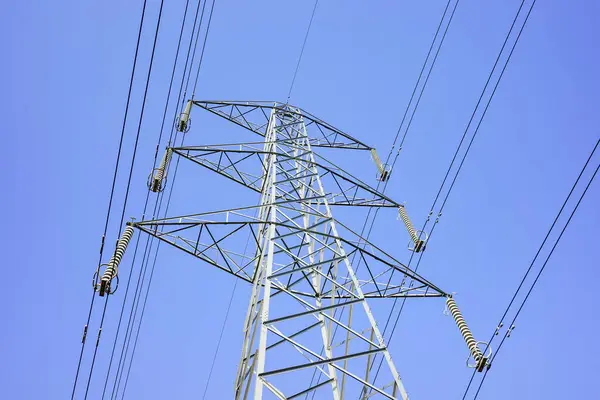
(245, 165)
(219, 238)
(254, 116)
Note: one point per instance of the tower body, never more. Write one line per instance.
(304, 281)
(309, 330)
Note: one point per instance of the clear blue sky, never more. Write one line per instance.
(64, 74)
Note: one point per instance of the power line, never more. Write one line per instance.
(147, 194)
(142, 268)
(133, 158)
(132, 316)
(420, 76)
(468, 147)
(168, 201)
(187, 83)
(481, 118)
(478, 125)
(149, 281)
(538, 276)
(203, 47)
(550, 230)
(302, 50)
(112, 191)
(131, 319)
(121, 315)
(416, 104)
(414, 110)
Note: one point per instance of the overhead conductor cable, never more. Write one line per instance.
(182, 125)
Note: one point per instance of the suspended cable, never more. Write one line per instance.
(464, 156)
(467, 150)
(302, 51)
(143, 268)
(133, 315)
(412, 96)
(203, 47)
(512, 324)
(414, 110)
(149, 284)
(538, 275)
(187, 83)
(159, 202)
(133, 158)
(416, 104)
(519, 287)
(112, 191)
(121, 315)
(147, 194)
(141, 277)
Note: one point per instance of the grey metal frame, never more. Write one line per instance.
(301, 271)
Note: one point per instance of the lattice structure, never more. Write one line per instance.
(309, 326)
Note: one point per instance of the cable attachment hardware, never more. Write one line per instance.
(157, 178)
(384, 169)
(415, 236)
(85, 328)
(112, 268)
(500, 325)
(509, 331)
(481, 359)
(183, 125)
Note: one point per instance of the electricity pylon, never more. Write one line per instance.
(309, 326)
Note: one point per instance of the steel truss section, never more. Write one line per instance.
(303, 270)
(219, 238)
(255, 116)
(244, 164)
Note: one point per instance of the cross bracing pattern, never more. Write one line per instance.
(215, 237)
(245, 163)
(255, 116)
(304, 266)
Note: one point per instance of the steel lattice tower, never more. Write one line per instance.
(308, 326)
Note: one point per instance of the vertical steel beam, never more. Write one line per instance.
(247, 371)
(270, 189)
